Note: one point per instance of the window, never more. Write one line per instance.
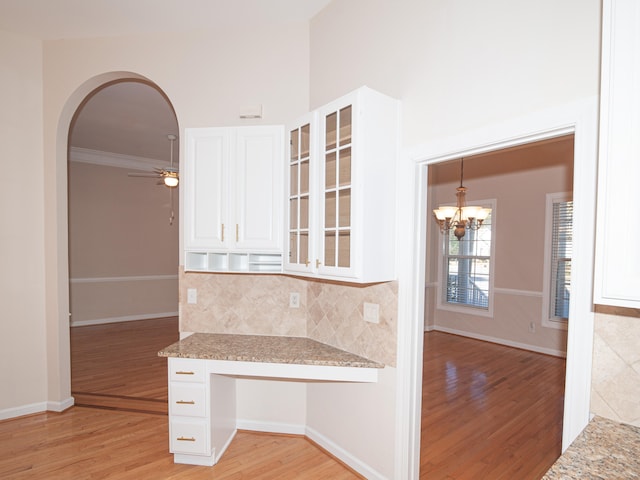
(467, 268)
(558, 252)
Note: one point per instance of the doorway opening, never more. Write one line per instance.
(491, 361)
(123, 245)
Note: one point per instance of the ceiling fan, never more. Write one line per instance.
(168, 176)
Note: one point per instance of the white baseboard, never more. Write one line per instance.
(344, 456)
(126, 318)
(60, 406)
(258, 426)
(38, 407)
(502, 341)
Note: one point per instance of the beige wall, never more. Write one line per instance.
(23, 369)
(119, 228)
(454, 65)
(459, 65)
(519, 180)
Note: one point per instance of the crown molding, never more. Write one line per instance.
(118, 160)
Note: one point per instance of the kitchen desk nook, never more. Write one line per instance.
(202, 369)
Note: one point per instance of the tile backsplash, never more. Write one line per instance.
(615, 387)
(329, 312)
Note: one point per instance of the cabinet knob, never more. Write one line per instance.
(237, 232)
(180, 372)
(307, 263)
(318, 263)
(222, 235)
(186, 439)
(186, 402)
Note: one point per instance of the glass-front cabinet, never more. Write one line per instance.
(300, 177)
(341, 199)
(336, 195)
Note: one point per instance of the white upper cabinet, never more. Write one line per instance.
(233, 184)
(617, 275)
(341, 177)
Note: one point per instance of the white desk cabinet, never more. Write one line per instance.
(341, 190)
(233, 184)
(617, 273)
(202, 412)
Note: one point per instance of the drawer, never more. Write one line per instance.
(188, 437)
(187, 399)
(187, 370)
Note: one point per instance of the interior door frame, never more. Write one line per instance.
(580, 119)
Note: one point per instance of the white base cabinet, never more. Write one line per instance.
(202, 412)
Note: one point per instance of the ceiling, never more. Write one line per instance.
(56, 19)
(133, 118)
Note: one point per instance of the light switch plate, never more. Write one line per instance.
(371, 312)
(192, 295)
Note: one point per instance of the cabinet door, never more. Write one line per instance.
(205, 179)
(335, 251)
(257, 182)
(617, 273)
(300, 178)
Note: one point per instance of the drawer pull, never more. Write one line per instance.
(184, 373)
(186, 402)
(186, 439)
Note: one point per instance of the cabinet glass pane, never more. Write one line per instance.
(304, 141)
(344, 249)
(293, 247)
(293, 173)
(304, 177)
(304, 248)
(344, 210)
(331, 126)
(345, 125)
(294, 144)
(304, 212)
(293, 213)
(330, 165)
(330, 210)
(330, 249)
(344, 174)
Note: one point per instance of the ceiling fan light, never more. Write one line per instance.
(171, 180)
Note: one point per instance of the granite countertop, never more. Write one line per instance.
(265, 349)
(604, 450)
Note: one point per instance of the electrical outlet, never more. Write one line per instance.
(192, 295)
(294, 300)
(532, 327)
(371, 312)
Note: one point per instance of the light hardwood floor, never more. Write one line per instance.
(489, 412)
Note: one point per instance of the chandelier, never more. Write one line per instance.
(462, 217)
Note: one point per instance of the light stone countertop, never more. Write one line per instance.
(605, 450)
(264, 349)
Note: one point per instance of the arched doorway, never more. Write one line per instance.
(56, 231)
(123, 245)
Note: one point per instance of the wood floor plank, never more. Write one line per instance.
(489, 411)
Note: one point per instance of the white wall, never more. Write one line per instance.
(208, 76)
(23, 373)
(456, 66)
